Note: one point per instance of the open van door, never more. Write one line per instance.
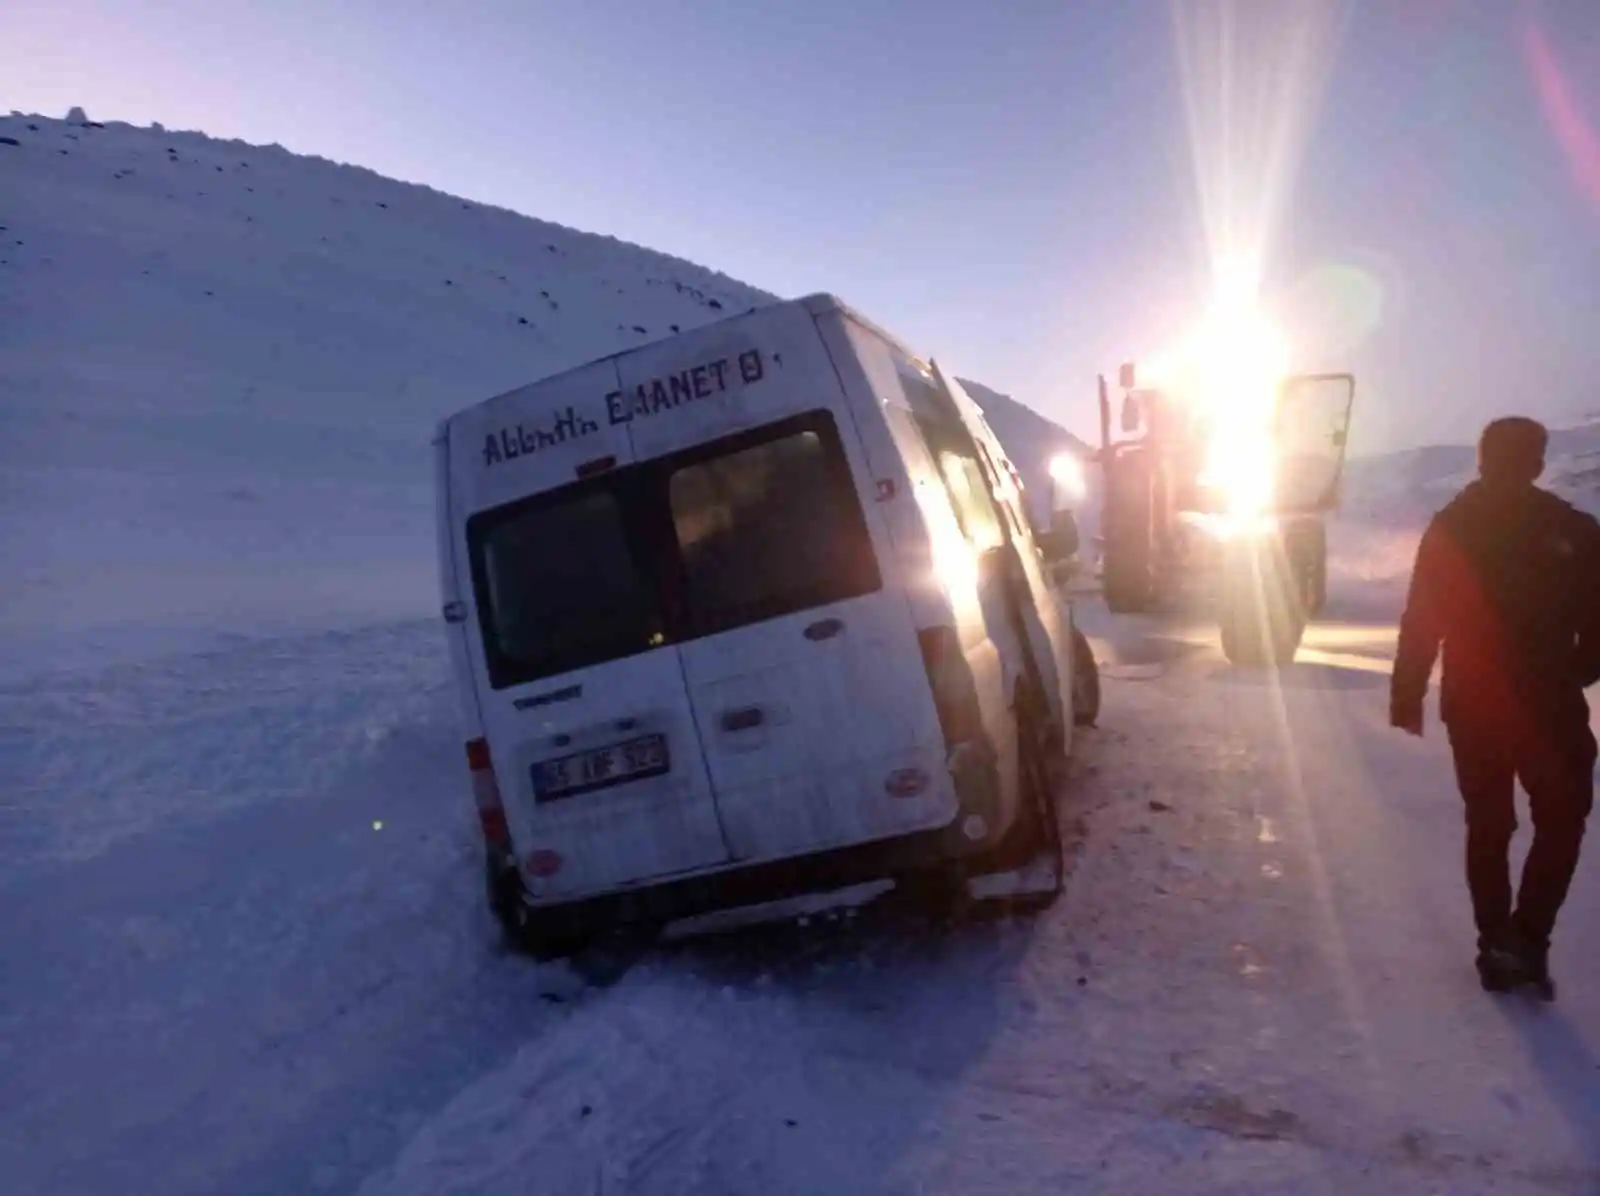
(1041, 626)
(1311, 432)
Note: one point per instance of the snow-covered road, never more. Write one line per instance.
(223, 975)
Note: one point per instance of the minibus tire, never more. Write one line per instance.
(1044, 824)
(1085, 696)
(937, 893)
(545, 943)
(1036, 833)
(504, 891)
(524, 930)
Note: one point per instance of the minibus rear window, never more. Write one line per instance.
(726, 533)
(769, 528)
(563, 588)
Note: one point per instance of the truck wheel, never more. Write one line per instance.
(1319, 578)
(1085, 681)
(1305, 547)
(1261, 613)
(1126, 595)
(1245, 645)
(1261, 634)
(1127, 581)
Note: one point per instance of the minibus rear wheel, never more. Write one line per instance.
(1033, 844)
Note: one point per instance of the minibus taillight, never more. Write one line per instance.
(955, 694)
(486, 795)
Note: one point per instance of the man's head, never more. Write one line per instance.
(1511, 450)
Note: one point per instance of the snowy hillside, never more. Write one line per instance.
(1425, 478)
(1389, 498)
(225, 360)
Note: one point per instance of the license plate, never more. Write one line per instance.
(600, 768)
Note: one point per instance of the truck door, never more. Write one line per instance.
(1311, 433)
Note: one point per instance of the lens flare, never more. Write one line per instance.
(1253, 73)
(1225, 378)
(1563, 110)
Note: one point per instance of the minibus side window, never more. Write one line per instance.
(964, 481)
(969, 490)
(931, 411)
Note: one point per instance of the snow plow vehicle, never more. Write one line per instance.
(1226, 502)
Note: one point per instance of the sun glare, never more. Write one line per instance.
(1253, 73)
(1225, 375)
(1239, 358)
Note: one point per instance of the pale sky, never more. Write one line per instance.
(1030, 191)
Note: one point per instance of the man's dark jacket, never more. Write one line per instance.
(1507, 579)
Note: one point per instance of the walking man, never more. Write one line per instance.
(1507, 582)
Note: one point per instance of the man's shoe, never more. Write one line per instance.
(1533, 953)
(1535, 960)
(1500, 969)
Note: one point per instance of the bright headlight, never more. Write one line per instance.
(1067, 473)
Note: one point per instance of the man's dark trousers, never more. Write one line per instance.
(1555, 764)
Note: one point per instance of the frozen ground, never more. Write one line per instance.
(242, 948)
(244, 953)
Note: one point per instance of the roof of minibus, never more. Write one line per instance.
(816, 304)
